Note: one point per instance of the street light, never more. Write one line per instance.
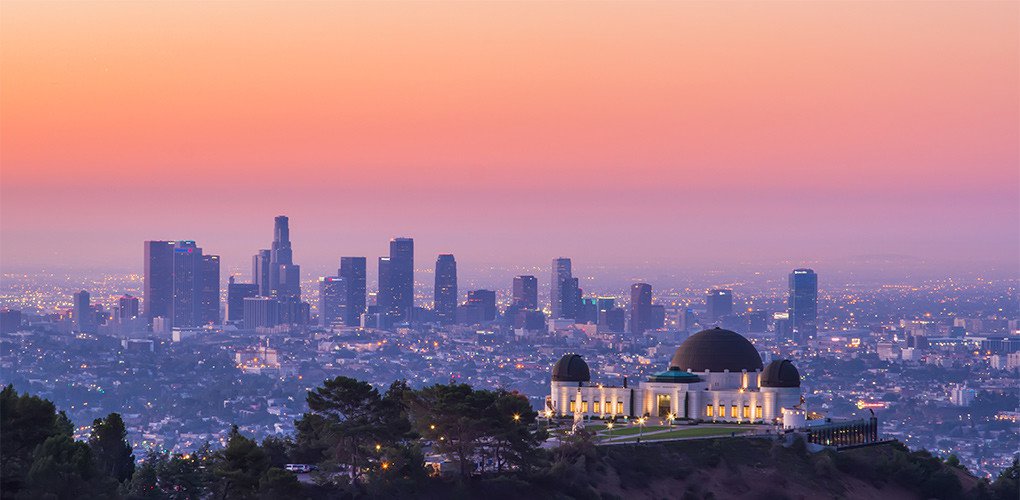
(670, 421)
(517, 417)
(610, 427)
(641, 428)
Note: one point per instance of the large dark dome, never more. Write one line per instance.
(716, 350)
(571, 368)
(780, 373)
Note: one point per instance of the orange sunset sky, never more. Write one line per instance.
(700, 133)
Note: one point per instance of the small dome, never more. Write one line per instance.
(571, 368)
(716, 350)
(780, 373)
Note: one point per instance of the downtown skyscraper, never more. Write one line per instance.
(396, 280)
(718, 303)
(640, 308)
(803, 304)
(445, 291)
(353, 271)
(285, 276)
(563, 294)
(525, 293)
(181, 284)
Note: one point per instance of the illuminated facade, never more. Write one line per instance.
(716, 375)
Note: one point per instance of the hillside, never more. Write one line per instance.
(738, 468)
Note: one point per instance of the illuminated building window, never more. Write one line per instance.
(757, 412)
(619, 407)
(572, 407)
(747, 412)
(709, 411)
(733, 411)
(584, 407)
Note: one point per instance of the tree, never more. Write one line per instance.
(63, 468)
(278, 483)
(110, 448)
(277, 450)
(1007, 485)
(145, 481)
(26, 422)
(450, 416)
(239, 466)
(346, 417)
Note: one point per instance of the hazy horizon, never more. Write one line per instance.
(683, 134)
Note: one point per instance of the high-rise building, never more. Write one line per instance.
(561, 278)
(803, 304)
(526, 292)
(612, 320)
(158, 287)
(587, 311)
(384, 297)
(181, 284)
(332, 297)
(656, 316)
(757, 321)
(261, 271)
(718, 303)
(127, 307)
(236, 293)
(83, 316)
(261, 312)
(640, 307)
(353, 270)
(185, 306)
(484, 300)
(446, 289)
(285, 277)
(209, 290)
(401, 278)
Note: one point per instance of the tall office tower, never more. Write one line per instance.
(260, 272)
(803, 304)
(209, 290)
(446, 289)
(612, 320)
(587, 311)
(484, 300)
(561, 274)
(285, 277)
(83, 317)
(526, 292)
(718, 303)
(401, 279)
(236, 293)
(687, 321)
(657, 317)
(332, 294)
(127, 307)
(571, 297)
(261, 312)
(184, 309)
(640, 307)
(353, 270)
(782, 328)
(384, 297)
(158, 287)
(757, 321)
(605, 303)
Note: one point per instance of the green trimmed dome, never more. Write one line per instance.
(674, 376)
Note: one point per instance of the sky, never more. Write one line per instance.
(677, 133)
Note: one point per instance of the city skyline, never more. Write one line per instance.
(697, 142)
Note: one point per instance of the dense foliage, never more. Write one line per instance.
(371, 444)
